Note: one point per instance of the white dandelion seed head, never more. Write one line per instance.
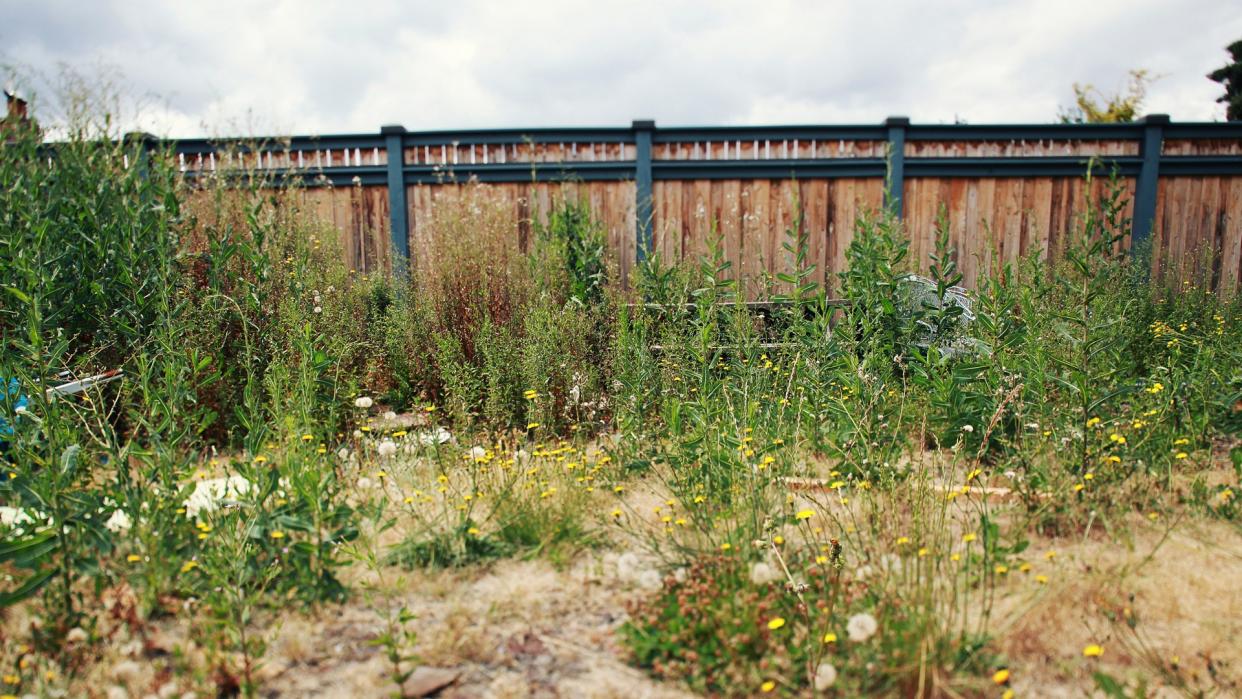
(363, 402)
(386, 448)
(825, 676)
(761, 573)
(861, 627)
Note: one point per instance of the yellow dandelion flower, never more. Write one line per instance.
(1041, 579)
(970, 537)
(776, 623)
(278, 535)
(188, 566)
(767, 687)
(1180, 455)
(133, 558)
(1001, 676)
(531, 425)
(726, 546)
(1092, 651)
(830, 637)
(308, 437)
(805, 514)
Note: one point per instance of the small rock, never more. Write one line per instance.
(426, 681)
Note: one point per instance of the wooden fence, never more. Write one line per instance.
(1006, 190)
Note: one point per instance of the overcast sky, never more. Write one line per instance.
(317, 67)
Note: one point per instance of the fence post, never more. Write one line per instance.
(894, 185)
(1146, 187)
(398, 214)
(643, 129)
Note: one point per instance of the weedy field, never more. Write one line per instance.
(505, 474)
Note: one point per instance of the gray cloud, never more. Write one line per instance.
(319, 67)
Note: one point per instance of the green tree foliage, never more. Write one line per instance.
(1231, 77)
(1093, 107)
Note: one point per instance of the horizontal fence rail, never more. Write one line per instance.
(1013, 177)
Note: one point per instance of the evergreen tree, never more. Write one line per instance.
(1231, 77)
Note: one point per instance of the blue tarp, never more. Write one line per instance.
(10, 390)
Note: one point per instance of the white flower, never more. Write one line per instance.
(968, 428)
(119, 522)
(76, 635)
(825, 676)
(386, 448)
(11, 517)
(363, 402)
(343, 454)
(390, 415)
(437, 436)
(357, 434)
(208, 494)
(860, 627)
(761, 573)
(478, 452)
(318, 309)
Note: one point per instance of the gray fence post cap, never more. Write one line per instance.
(388, 129)
(643, 125)
(1155, 119)
(897, 121)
